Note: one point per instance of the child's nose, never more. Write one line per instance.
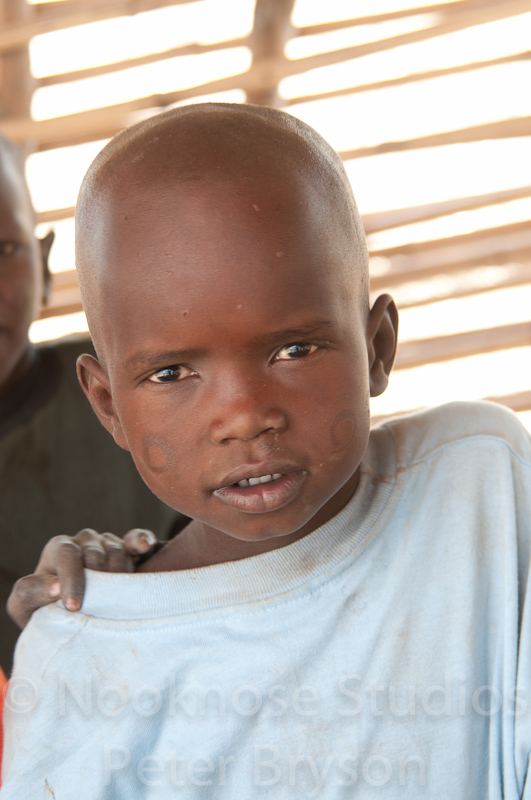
(246, 415)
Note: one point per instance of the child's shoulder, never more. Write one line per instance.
(420, 435)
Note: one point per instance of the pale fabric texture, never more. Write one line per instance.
(358, 662)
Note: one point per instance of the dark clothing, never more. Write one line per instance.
(61, 471)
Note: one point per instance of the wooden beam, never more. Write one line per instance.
(105, 69)
(16, 83)
(271, 30)
(459, 345)
(387, 220)
(58, 10)
(461, 284)
(61, 303)
(450, 256)
(511, 235)
(503, 129)
(413, 77)
(519, 401)
(456, 7)
(55, 214)
(60, 18)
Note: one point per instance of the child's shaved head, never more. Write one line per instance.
(224, 273)
(192, 148)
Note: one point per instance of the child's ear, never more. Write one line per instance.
(382, 330)
(45, 245)
(95, 383)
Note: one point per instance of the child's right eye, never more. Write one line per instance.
(171, 374)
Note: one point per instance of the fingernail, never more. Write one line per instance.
(150, 537)
(54, 590)
(72, 603)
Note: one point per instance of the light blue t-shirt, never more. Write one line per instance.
(387, 654)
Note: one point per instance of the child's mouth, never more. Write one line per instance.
(262, 493)
(262, 479)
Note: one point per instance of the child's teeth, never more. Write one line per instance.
(263, 479)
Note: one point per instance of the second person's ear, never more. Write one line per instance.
(45, 245)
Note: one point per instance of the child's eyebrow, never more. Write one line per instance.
(307, 329)
(145, 358)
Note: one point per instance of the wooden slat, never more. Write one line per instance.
(520, 401)
(55, 214)
(105, 69)
(386, 220)
(52, 20)
(460, 345)
(67, 279)
(271, 30)
(510, 236)
(462, 285)
(64, 302)
(61, 8)
(414, 77)
(503, 129)
(460, 252)
(456, 7)
(16, 82)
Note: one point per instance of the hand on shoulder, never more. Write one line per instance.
(59, 574)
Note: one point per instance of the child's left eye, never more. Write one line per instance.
(293, 351)
(171, 374)
(8, 249)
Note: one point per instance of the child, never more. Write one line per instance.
(347, 613)
(59, 470)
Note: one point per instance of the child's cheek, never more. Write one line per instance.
(157, 453)
(343, 430)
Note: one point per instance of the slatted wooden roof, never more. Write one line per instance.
(429, 105)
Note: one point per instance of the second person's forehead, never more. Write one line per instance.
(14, 200)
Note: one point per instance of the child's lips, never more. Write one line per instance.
(266, 496)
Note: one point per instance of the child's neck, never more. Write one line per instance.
(199, 545)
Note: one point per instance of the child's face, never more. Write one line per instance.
(235, 348)
(21, 275)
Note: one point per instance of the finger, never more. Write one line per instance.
(139, 541)
(29, 594)
(117, 558)
(64, 558)
(94, 553)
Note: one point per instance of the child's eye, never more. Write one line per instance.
(293, 351)
(171, 374)
(8, 248)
